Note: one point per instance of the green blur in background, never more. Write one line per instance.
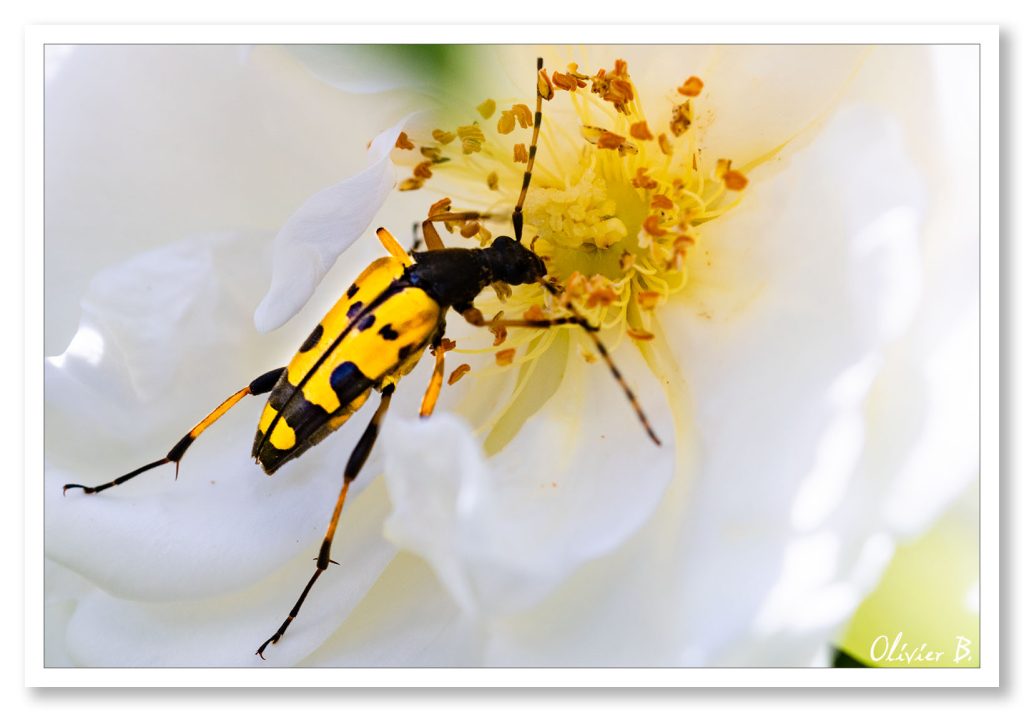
(928, 597)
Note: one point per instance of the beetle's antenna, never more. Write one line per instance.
(591, 331)
(544, 91)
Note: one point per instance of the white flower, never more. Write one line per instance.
(792, 376)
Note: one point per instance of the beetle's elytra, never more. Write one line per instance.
(375, 334)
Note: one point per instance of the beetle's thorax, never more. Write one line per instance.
(455, 276)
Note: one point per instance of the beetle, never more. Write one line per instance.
(373, 336)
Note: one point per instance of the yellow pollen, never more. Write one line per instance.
(639, 334)
(648, 299)
(461, 370)
(472, 138)
(682, 116)
(486, 109)
(640, 131)
(652, 226)
(665, 144)
(614, 87)
(535, 313)
(574, 71)
(433, 153)
(566, 82)
(505, 357)
(519, 112)
(644, 181)
(404, 143)
(691, 87)
(733, 179)
(661, 202)
(443, 137)
(603, 138)
(615, 215)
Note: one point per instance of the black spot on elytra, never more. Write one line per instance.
(352, 291)
(406, 351)
(354, 309)
(366, 322)
(387, 333)
(313, 339)
(349, 382)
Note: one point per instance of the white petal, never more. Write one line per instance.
(501, 533)
(782, 356)
(159, 335)
(226, 630)
(406, 620)
(758, 97)
(148, 144)
(325, 226)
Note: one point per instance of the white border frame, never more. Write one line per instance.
(986, 36)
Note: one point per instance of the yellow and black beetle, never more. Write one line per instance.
(377, 333)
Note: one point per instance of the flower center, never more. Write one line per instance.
(614, 208)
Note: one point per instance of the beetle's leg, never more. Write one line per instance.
(355, 463)
(416, 239)
(261, 385)
(436, 378)
(433, 238)
(393, 246)
(476, 318)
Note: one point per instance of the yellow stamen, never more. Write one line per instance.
(617, 232)
(443, 137)
(505, 357)
(640, 131)
(461, 370)
(664, 144)
(486, 109)
(472, 138)
(682, 117)
(691, 87)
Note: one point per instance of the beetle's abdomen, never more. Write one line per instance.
(375, 333)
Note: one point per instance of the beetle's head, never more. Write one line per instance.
(513, 263)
